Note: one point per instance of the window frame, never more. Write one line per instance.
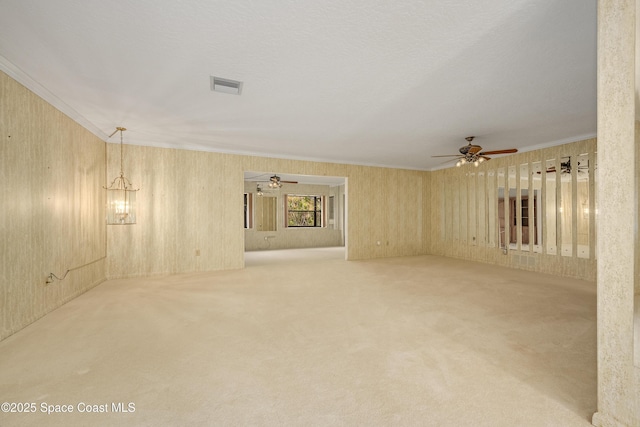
(318, 211)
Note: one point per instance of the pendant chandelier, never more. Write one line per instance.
(121, 196)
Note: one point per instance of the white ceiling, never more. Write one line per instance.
(373, 82)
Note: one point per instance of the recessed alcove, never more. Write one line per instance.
(288, 211)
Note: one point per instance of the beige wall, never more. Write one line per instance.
(188, 201)
(464, 214)
(286, 238)
(52, 215)
(636, 299)
(193, 201)
(618, 378)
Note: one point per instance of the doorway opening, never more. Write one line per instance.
(287, 212)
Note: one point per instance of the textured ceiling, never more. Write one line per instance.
(356, 81)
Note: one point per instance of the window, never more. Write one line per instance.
(303, 211)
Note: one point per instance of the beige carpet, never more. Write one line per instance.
(417, 341)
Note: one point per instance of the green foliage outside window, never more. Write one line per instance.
(304, 211)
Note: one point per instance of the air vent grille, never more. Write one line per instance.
(218, 84)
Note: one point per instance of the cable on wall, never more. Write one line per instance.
(51, 277)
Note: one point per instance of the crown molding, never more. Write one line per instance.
(27, 81)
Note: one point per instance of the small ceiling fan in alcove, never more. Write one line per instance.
(472, 153)
(274, 180)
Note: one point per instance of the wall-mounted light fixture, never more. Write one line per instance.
(121, 196)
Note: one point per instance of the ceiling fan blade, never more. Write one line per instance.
(507, 151)
(450, 155)
(549, 170)
(447, 161)
(289, 182)
(484, 157)
(474, 149)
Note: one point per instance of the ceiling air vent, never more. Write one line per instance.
(219, 84)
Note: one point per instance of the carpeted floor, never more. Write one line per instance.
(317, 341)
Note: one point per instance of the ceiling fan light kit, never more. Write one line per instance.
(274, 182)
(464, 160)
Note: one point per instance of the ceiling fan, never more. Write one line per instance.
(273, 182)
(276, 182)
(565, 167)
(472, 153)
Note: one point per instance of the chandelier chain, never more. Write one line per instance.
(121, 152)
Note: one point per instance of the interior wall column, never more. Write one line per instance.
(618, 391)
